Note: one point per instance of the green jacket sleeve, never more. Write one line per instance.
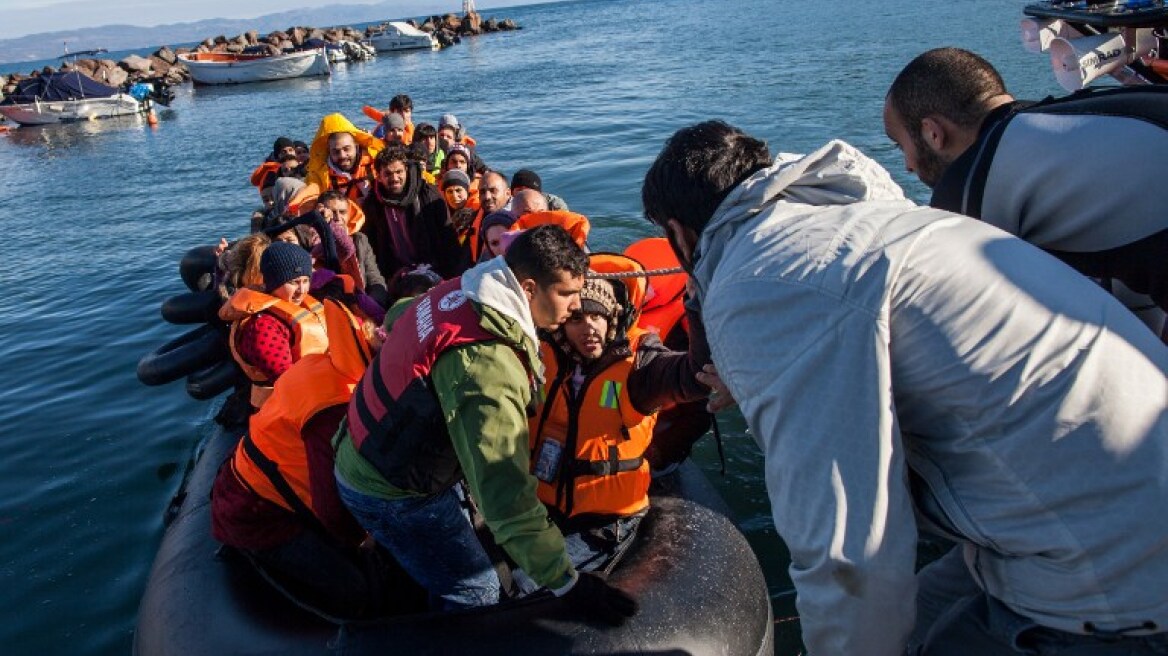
(483, 389)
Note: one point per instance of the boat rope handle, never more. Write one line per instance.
(592, 275)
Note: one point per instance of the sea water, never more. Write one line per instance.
(95, 216)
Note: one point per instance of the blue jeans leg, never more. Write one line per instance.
(940, 585)
(431, 536)
(980, 625)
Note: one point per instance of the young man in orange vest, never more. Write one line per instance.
(606, 380)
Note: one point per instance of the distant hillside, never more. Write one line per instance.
(125, 37)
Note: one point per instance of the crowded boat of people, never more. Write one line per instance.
(446, 399)
(450, 403)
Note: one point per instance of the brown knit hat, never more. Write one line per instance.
(597, 297)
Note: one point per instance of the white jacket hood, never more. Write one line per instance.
(836, 174)
(492, 283)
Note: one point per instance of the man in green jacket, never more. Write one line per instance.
(446, 402)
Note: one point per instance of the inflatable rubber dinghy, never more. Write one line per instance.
(699, 586)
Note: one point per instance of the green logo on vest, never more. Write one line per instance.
(609, 393)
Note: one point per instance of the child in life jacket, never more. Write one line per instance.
(275, 499)
(605, 382)
(273, 328)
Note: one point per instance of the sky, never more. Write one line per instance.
(23, 17)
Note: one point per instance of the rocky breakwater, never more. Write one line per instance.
(449, 29)
(277, 41)
(162, 66)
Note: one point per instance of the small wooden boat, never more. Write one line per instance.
(396, 35)
(229, 68)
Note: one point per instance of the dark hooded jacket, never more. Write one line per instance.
(432, 236)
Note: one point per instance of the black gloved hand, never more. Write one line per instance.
(594, 598)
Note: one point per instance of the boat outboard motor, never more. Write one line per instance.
(155, 90)
(1079, 61)
(1037, 33)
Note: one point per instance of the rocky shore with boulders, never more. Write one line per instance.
(163, 65)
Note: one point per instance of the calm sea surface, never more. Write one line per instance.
(95, 218)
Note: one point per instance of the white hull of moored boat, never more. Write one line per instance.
(66, 111)
(401, 36)
(221, 68)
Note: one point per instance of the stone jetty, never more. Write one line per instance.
(164, 65)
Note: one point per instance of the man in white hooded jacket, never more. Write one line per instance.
(906, 369)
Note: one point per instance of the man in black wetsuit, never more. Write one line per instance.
(1081, 177)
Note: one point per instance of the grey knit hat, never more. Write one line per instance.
(282, 262)
(457, 178)
(394, 120)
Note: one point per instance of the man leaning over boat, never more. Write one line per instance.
(909, 370)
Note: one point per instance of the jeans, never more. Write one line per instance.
(956, 618)
(431, 536)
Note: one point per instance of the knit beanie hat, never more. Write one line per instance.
(449, 120)
(282, 262)
(393, 120)
(455, 178)
(526, 178)
(461, 150)
(505, 218)
(281, 144)
(597, 297)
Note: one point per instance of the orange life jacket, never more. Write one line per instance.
(470, 239)
(595, 463)
(356, 217)
(307, 321)
(360, 181)
(602, 469)
(261, 173)
(305, 200)
(664, 300)
(577, 225)
(379, 116)
(472, 194)
(271, 459)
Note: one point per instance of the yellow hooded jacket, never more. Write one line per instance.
(318, 155)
